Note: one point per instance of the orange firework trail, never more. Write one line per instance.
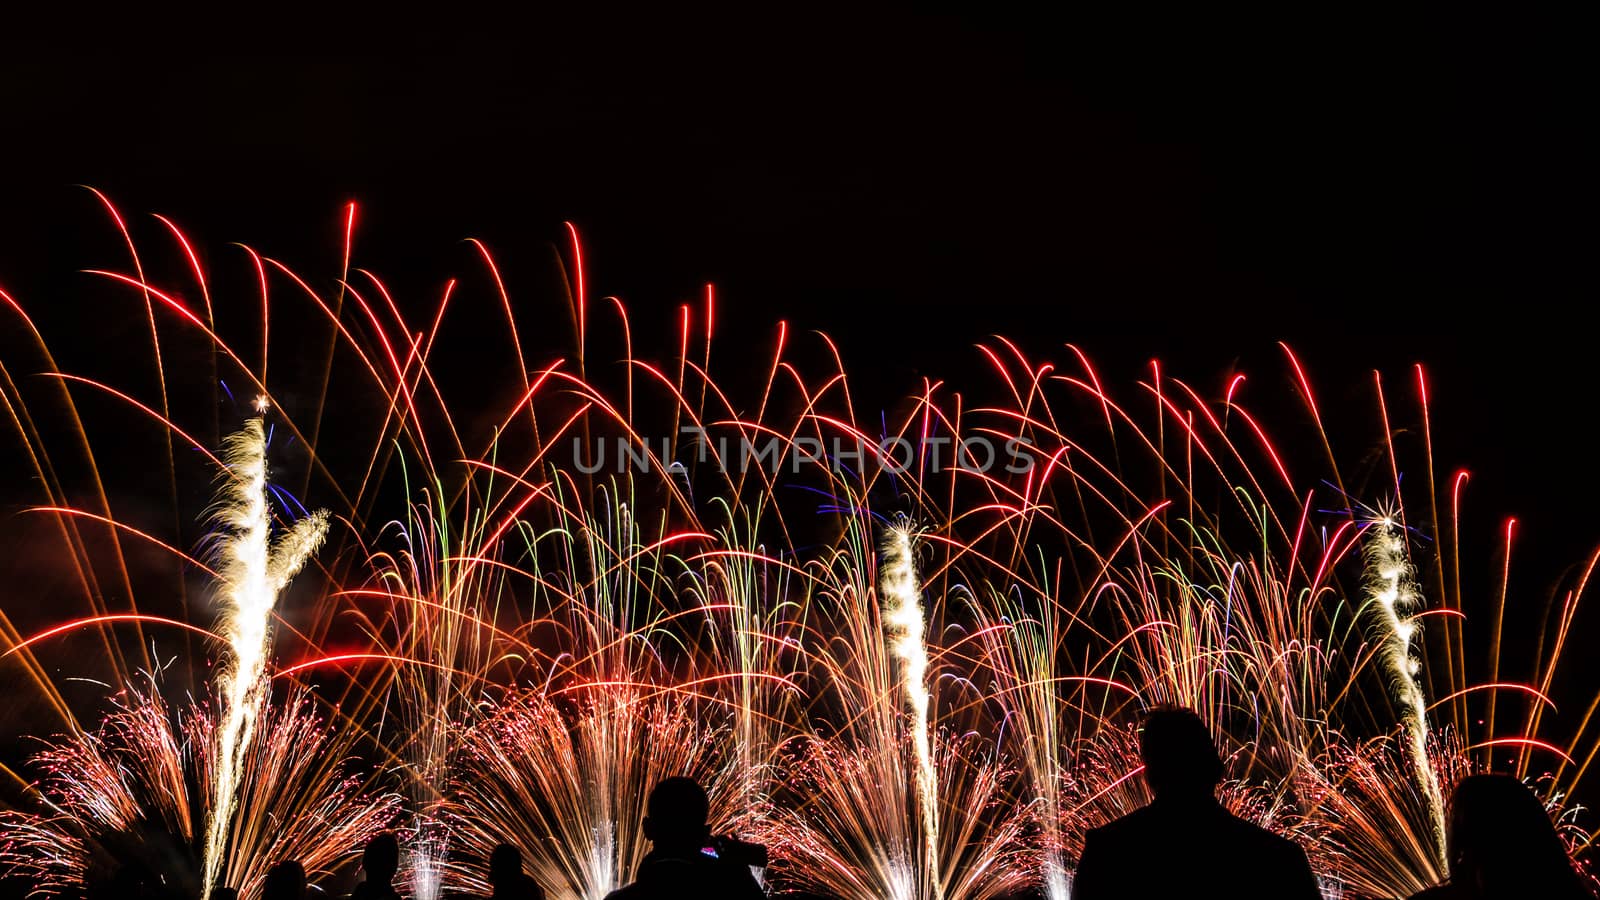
(549, 580)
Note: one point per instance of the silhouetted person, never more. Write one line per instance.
(379, 862)
(285, 881)
(1185, 844)
(505, 875)
(1503, 846)
(678, 864)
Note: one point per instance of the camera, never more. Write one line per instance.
(744, 853)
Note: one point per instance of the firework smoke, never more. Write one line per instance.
(252, 571)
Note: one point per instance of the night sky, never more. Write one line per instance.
(1376, 189)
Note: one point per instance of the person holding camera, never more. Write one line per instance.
(684, 859)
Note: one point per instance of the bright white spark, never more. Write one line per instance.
(904, 595)
(252, 571)
(1393, 590)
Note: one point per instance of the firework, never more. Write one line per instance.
(563, 771)
(905, 616)
(526, 638)
(853, 819)
(252, 571)
(436, 600)
(1394, 597)
(566, 779)
(138, 791)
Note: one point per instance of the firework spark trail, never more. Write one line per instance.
(905, 614)
(1394, 595)
(252, 570)
(1020, 644)
(438, 632)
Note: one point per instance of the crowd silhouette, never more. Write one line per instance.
(1500, 843)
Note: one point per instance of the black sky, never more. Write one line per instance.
(1376, 188)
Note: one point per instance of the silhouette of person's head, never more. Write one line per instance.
(676, 813)
(1503, 844)
(381, 858)
(285, 881)
(1180, 757)
(505, 866)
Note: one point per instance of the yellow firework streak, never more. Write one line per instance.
(252, 570)
(904, 614)
(1394, 596)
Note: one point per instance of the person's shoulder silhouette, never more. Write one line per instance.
(1502, 845)
(679, 864)
(1185, 843)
